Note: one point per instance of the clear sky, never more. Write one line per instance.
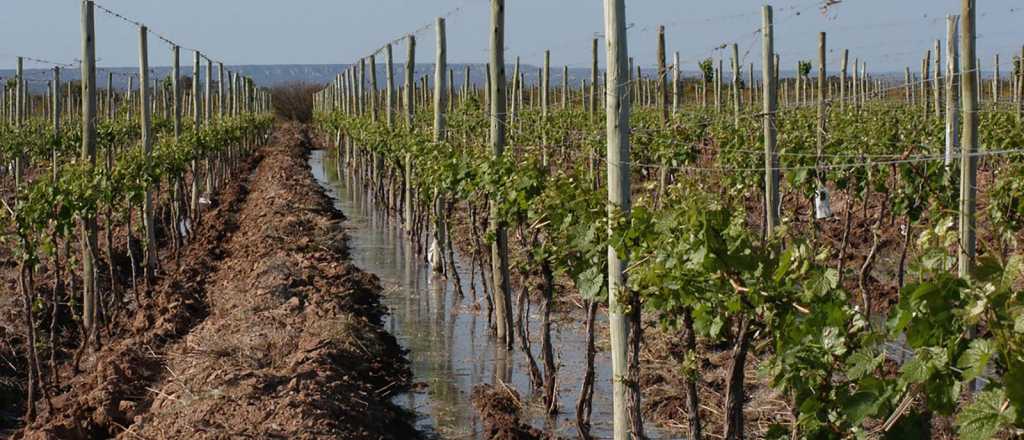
(889, 34)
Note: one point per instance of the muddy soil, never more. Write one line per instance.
(266, 331)
(500, 407)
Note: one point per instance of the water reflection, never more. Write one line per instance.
(451, 347)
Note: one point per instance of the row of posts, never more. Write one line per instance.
(231, 97)
(349, 94)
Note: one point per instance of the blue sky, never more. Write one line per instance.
(339, 31)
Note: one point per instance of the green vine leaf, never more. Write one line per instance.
(975, 358)
(863, 363)
(989, 414)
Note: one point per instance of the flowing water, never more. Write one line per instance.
(451, 348)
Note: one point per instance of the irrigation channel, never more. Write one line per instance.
(448, 338)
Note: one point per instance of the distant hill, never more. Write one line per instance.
(273, 75)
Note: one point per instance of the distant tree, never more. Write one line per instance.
(805, 68)
(707, 67)
(294, 101)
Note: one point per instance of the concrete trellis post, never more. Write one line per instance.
(750, 87)
(545, 85)
(718, 86)
(176, 89)
(662, 75)
(617, 118)
(995, 81)
(196, 82)
(350, 87)
(196, 126)
(55, 112)
(410, 113)
(864, 83)
(952, 87)
(499, 247)
(220, 91)
(822, 75)
(111, 110)
(440, 97)
(208, 93)
(372, 96)
(771, 157)
(89, 242)
(440, 134)
(235, 94)
(467, 86)
(129, 113)
(937, 84)
(389, 98)
(19, 119)
(908, 88)
(842, 78)
(593, 79)
(147, 148)
(969, 145)
(565, 87)
(410, 86)
(208, 113)
(19, 99)
(451, 89)
(926, 77)
(361, 87)
(736, 84)
(675, 84)
(856, 84)
(516, 103)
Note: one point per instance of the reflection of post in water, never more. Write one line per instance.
(357, 195)
(502, 364)
(438, 288)
(396, 262)
(436, 296)
(353, 181)
(443, 392)
(373, 204)
(397, 244)
(449, 353)
(405, 252)
(349, 184)
(417, 288)
(410, 314)
(371, 211)
(476, 372)
(337, 157)
(449, 342)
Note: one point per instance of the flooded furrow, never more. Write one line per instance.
(450, 345)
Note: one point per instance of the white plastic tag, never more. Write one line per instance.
(822, 205)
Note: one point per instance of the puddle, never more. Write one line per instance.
(451, 347)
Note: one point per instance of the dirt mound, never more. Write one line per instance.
(267, 332)
(499, 407)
